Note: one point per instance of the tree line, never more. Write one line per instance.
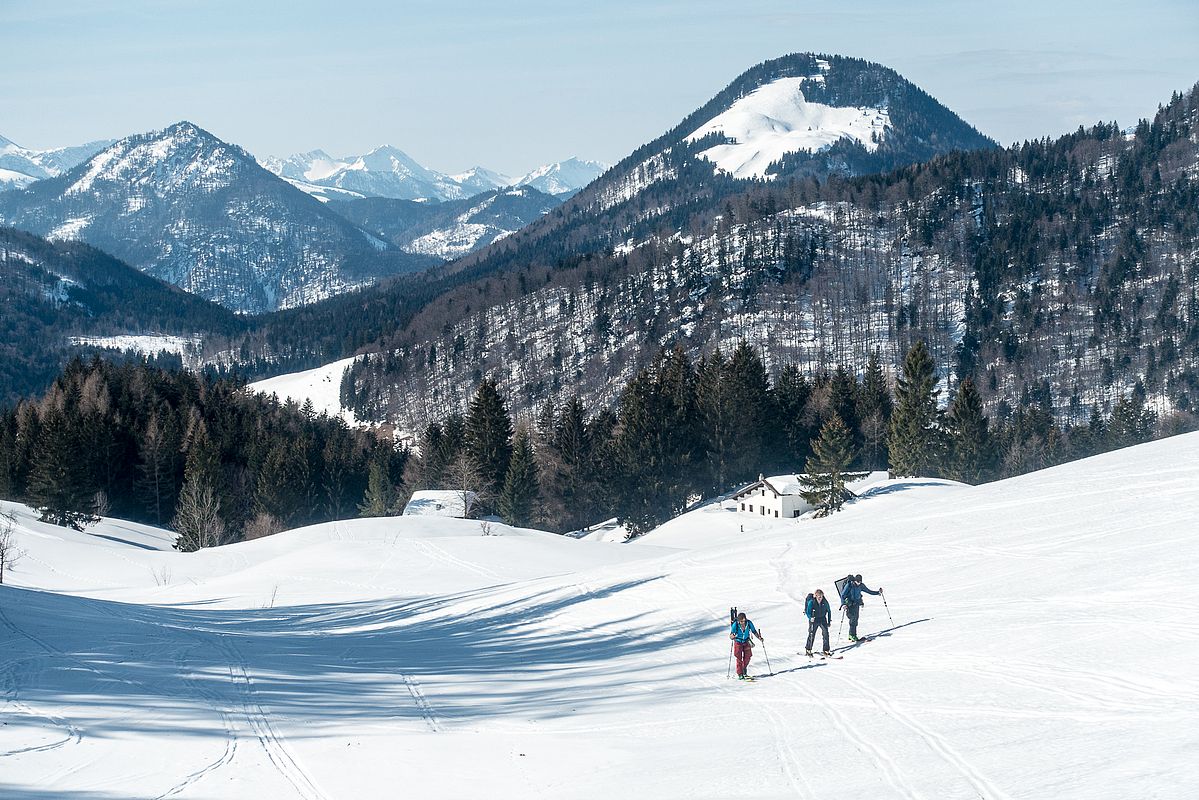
(220, 464)
(216, 462)
(683, 431)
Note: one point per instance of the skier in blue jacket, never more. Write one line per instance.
(820, 616)
(851, 601)
(743, 647)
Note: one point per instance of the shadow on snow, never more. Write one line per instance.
(522, 655)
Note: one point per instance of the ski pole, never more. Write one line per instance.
(841, 624)
(729, 672)
(766, 653)
(880, 591)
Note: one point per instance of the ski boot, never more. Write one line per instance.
(827, 653)
(808, 653)
(852, 638)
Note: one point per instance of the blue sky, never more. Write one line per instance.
(510, 85)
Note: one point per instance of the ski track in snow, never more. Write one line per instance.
(422, 703)
(981, 785)
(259, 721)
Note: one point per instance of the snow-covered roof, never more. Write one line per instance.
(439, 503)
(792, 484)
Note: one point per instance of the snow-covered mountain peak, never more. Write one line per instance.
(776, 119)
(390, 159)
(562, 177)
(6, 143)
(181, 155)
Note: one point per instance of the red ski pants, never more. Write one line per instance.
(742, 651)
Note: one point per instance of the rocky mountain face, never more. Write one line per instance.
(20, 166)
(450, 229)
(197, 212)
(63, 299)
(1062, 274)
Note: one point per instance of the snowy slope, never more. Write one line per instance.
(776, 119)
(144, 343)
(321, 385)
(347, 659)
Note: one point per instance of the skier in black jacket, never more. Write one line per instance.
(820, 616)
(851, 601)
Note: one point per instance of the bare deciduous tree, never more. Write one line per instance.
(262, 525)
(10, 554)
(463, 475)
(198, 518)
(100, 504)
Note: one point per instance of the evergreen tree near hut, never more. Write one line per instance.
(826, 471)
(489, 435)
(914, 443)
(519, 495)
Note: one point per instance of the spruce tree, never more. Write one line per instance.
(8, 455)
(57, 484)
(972, 449)
(796, 418)
(568, 477)
(874, 413)
(1131, 423)
(198, 519)
(753, 399)
(381, 498)
(914, 443)
(489, 434)
(826, 472)
(158, 468)
(717, 412)
(519, 495)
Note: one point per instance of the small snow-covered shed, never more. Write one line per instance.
(777, 497)
(440, 503)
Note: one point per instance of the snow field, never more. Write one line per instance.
(1043, 645)
(776, 119)
(321, 385)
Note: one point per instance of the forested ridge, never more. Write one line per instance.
(54, 291)
(1064, 268)
(663, 186)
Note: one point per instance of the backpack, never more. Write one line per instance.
(809, 605)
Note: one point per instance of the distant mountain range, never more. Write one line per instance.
(452, 228)
(203, 214)
(20, 167)
(186, 207)
(389, 172)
